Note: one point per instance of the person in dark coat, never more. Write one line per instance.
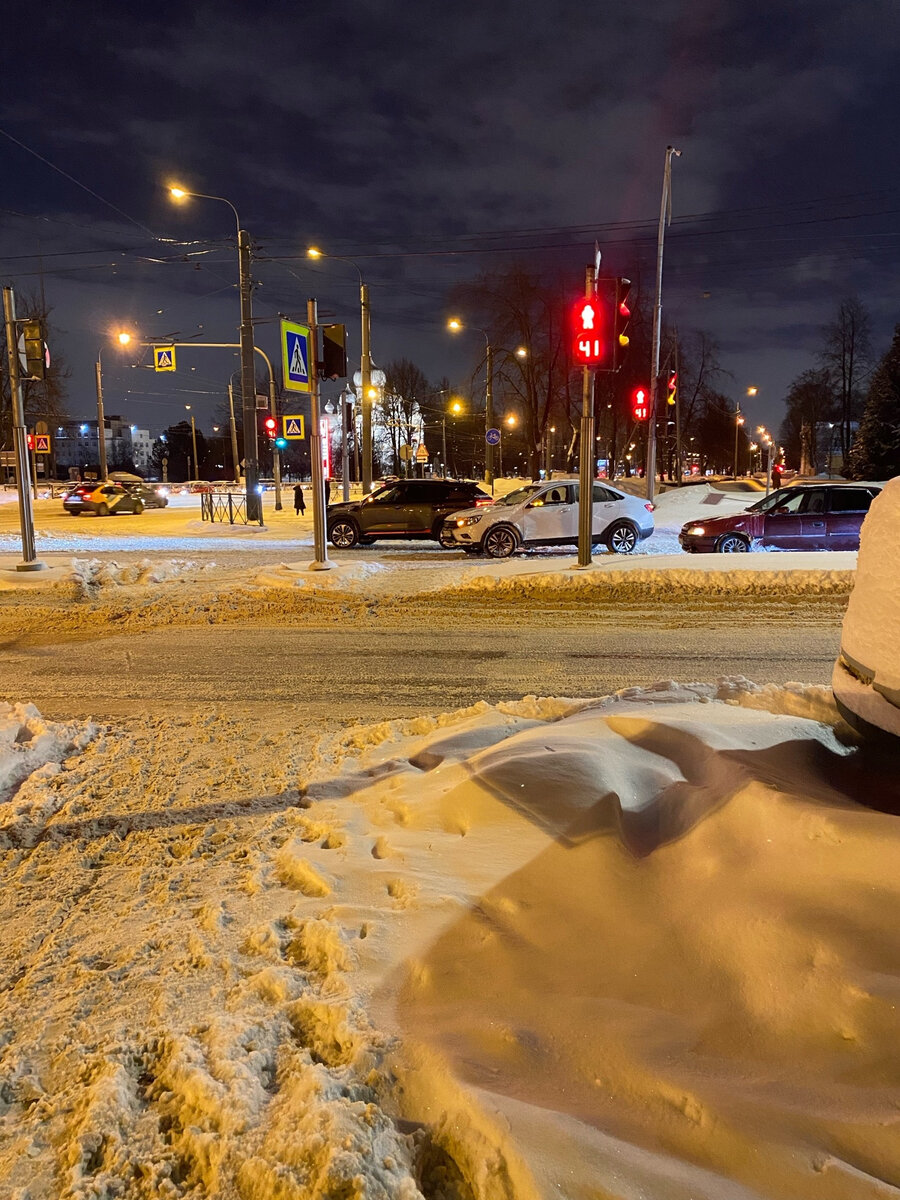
(299, 502)
(327, 488)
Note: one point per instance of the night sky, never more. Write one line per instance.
(431, 142)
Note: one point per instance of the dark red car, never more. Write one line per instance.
(816, 516)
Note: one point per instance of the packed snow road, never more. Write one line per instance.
(365, 667)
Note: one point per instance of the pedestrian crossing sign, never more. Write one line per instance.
(164, 358)
(293, 428)
(295, 350)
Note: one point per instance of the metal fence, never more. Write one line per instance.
(228, 507)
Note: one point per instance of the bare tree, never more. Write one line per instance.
(847, 356)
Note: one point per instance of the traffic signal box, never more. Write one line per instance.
(590, 335)
(640, 404)
(33, 348)
(599, 324)
(334, 352)
(270, 428)
(621, 338)
(672, 388)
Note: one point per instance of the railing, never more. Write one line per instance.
(227, 507)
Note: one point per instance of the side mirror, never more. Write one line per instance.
(782, 510)
(535, 504)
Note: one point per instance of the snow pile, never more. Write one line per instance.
(871, 634)
(32, 747)
(305, 575)
(90, 575)
(638, 945)
(677, 506)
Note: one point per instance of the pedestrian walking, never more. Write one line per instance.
(326, 483)
(299, 502)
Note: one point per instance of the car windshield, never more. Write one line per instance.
(774, 501)
(520, 495)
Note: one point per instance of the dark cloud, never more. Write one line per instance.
(378, 128)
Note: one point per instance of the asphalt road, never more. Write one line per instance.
(350, 673)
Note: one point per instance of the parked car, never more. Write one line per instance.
(151, 497)
(104, 499)
(821, 516)
(546, 514)
(412, 508)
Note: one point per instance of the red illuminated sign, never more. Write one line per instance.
(640, 404)
(588, 347)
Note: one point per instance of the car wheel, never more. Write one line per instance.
(103, 510)
(732, 543)
(446, 540)
(343, 534)
(622, 538)
(500, 542)
(138, 508)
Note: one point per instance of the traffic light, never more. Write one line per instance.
(32, 352)
(672, 388)
(621, 337)
(588, 342)
(270, 426)
(281, 443)
(640, 404)
(334, 352)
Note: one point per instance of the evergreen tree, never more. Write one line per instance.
(876, 451)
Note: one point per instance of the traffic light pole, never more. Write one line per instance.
(101, 419)
(315, 446)
(586, 450)
(248, 381)
(489, 414)
(30, 561)
(365, 372)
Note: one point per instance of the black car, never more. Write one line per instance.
(150, 496)
(411, 508)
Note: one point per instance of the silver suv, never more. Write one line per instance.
(546, 514)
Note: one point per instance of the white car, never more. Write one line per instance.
(546, 514)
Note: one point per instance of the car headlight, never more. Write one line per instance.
(695, 531)
(473, 520)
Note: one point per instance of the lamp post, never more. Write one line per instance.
(123, 339)
(365, 366)
(194, 441)
(456, 326)
(738, 422)
(665, 213)
(248, 382)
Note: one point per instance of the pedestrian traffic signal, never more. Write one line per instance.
(588, 343)
(281, 443)
(33, 352)
(672, 388)
(334, 352)
(640, 404)
(270, 425)
(621, 337)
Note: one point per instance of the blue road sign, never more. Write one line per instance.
(295, 349)
(164, 358)
(492, 437)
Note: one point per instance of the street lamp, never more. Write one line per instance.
(738, 422)
(455, 325)
(365, 365)
(248, 377)
(123, 339)
(194, 440)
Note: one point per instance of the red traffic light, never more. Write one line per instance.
(588, 347)
(640, 404)
(270, 425)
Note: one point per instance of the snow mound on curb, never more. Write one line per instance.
(92, 574)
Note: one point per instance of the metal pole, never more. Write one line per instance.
(444, 444)
(194, 442)
(345, 443)
(650, 470)
(586, 455)
(315, 445)
(489, 415)
(30, 561)
(234, 441)
(737, 426)
(248, 381)
(276, 455)
(33, 467)
(101, 420)
(770, 455)
(365, 371)
(678, 457)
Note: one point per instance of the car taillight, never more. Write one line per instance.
(483, 501)
(82, 492)
(649, 507)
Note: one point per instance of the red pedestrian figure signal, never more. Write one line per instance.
(588, 347)
(640, 404)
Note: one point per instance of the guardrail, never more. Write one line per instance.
(227, 507)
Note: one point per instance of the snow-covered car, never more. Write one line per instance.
(866, 678)
(104, 499)
(546, 514)
(822, 516)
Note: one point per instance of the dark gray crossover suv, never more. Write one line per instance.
(411, 508)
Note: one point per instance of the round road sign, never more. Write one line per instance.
(492, 437)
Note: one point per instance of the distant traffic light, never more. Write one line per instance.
(640, 404)
(281, 443)
(334, 352)
(588, 342)
(621, 338)
(33, 354)
(672, 388)
(270, 426)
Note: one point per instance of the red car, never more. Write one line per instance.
(819, 516)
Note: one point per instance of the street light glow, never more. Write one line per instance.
(455, 324)
(751, 391)
(510, 420)
(123, 338)
(521, 352)
(313, 252)
(178, 193)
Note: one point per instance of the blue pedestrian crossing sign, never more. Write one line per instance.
(293, 427)
(295, 346)
(163, 358)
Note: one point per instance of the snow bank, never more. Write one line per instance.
(677, 506)
(871, 634)
(31, 746)
(641, 945)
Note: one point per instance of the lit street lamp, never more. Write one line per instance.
(738, 422)
(194, 440)
(456, 326)
(123, 339)
(248, 382)
(365, 366)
